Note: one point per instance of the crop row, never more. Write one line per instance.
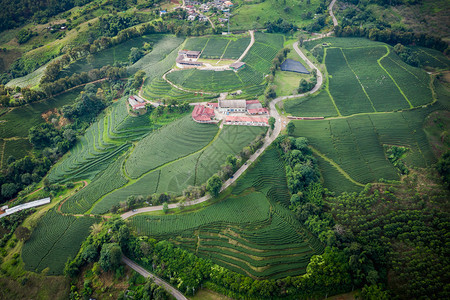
(231, 211)
(55, 239)
(180, 138)
(106, 182)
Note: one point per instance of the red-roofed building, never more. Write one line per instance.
(252, 102)
(135, 104)
(203, 114)
(258, 111)
(212, 104)
(249, 121)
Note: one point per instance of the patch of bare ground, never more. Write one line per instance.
(54, 117)
(432, 17)
(34, 286)
(420, 188)
(437, 128)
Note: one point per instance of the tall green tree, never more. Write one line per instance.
(214, 185)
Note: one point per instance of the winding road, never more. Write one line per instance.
(173, 291)
(270, 137)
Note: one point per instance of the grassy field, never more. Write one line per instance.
(356, 144)
(255, 15)
(254, 233)
(375, 77)
(55, 239)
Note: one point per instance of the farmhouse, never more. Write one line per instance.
(182, 62)
(249, 121)
(225, 106)
(237, 66)
(193, 54)
(203, 114)
(135, 103)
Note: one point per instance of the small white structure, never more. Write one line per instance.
(20, 207)
(232, 106)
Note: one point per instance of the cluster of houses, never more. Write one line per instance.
(218, 5)
(136, 102)
(255, 114)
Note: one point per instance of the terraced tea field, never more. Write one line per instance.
(169, 143)
(250, 79)
(364, 76)
(356, 143)
(169, 159)
(218, 47)
(104, 140)
(55, 239)
(251, 232)
(176, 171)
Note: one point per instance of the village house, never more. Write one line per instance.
(236, 66)
(135, 103)
(203, 114)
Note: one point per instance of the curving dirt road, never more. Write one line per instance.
(252, 41)
(330, 10)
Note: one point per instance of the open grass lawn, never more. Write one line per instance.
(250, 231)
(248, 16)
(287, 82)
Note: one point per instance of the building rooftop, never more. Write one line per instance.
(202, 113)
(237, 65)
(232, 104)
(247, 119)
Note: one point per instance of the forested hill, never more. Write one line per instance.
(16, 13)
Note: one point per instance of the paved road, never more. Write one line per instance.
(170, 289)
(267, 141)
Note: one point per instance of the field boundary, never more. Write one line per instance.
(359, 81)
(334, 164)
(390, 76)
(134, 180)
